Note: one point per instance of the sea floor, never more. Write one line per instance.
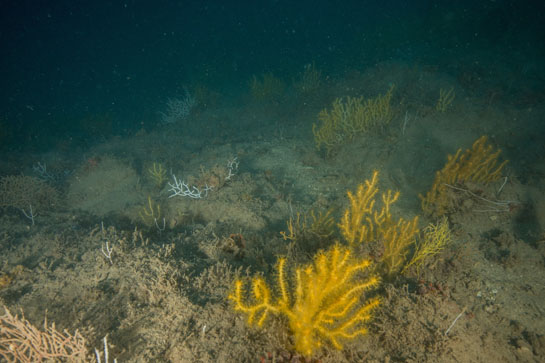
(118, 257)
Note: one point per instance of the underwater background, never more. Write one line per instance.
(158, 156)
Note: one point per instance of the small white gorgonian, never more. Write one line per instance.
(177, 109)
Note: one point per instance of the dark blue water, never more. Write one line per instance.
(69, 60)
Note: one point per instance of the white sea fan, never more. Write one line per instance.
(177, 109)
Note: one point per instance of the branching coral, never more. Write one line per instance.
(363, 221)
(314, 224)
(158, 174)
(324, 305)
(445, 99)
(350, 117)
(151, 213)
(436, 238)
(397, 239)
(21, 191)
(310, 80)
(478, 165)
(266, 89)
(20, 341)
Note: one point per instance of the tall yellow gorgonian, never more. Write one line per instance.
(158, 174)
(436, 237)
(351, 116)
(364, 222)
(445, 99)
(266, 88)
(397, 239)
(150, 214)
(313, 224)
(477, 165)
(323, 305)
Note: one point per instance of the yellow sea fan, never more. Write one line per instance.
(478, 165)
(436, 238)
(324, 305)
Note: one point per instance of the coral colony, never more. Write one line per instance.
(180, 188)
(328, 300)
(178, 109)
(232, 166)
(322, 305)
